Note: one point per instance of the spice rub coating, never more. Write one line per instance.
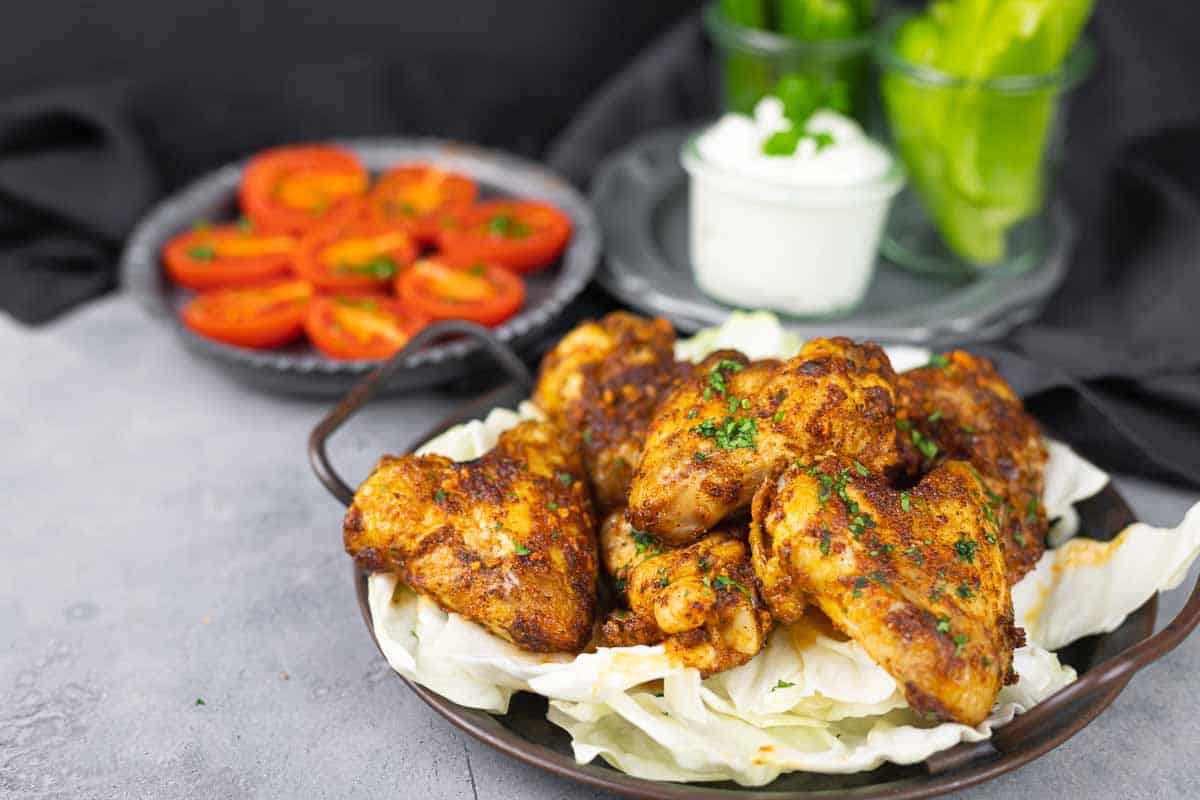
(603, 380)
(719, 434)
(507, 540)
(916, 577)
(959, 407)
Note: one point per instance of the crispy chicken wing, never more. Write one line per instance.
(916, 577)
(960, 407)
(701, 600)
(507, 540)
(717, 436)
(604, 380)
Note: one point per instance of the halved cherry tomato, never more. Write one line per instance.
(251, 316)
(419, 197)
(355, 324)
(441, 288)
(213, 257)
(354, 251)
(521, 235)
(294, 188)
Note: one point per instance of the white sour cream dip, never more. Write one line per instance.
(796, 233)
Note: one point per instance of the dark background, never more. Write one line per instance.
(105, 107)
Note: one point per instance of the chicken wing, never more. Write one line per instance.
(604, 379)
(717, 436)
(622, 548)
(701, 600)
(960, 407)
(507, 540)
(916, 577)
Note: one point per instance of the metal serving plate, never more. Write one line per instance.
(640, 196)
(1104, 663)
(301, 369)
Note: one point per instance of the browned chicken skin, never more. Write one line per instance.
(507, 540)
(701, 600)
(604, 380)
(960, 407)
(916, 577)
(717, 436)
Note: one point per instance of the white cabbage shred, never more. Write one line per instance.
(811, 700)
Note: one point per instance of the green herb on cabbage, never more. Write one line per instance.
(976, 155)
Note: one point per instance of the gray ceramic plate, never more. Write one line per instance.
(300, 369)
(640, 196)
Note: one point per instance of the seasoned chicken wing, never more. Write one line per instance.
(507, 540)
(701, 600)
(604, 380)
(960, 407)
(916, 577)
(622, 548)
(718, 435)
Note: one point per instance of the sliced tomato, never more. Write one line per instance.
(354, 251)
(521, 235)
(252, 316)
(420, 198)
(294, 188)
(441, 288)
(213, 257)
(355, 324)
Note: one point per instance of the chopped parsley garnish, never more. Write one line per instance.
(966, 549)
(566, 478)
(782, 684)
(522, 550)
(943, 625)
(935, 416)
(960, 641)
(915, 554)
(725, 582)
(778, 418)
(643, 541)
(587, 435)
(1031, 510)
(704, 564)
(477, 269)
(987, 662)
(699, 456)
(379, 267)
(904, 425)
(905, 501)
(200, 701)
(965, 592)
(553, 506)
(826, 541)
(439, 496)
(731, 434)
(692, 412)
(508, 226)
(939, 360)
(927, 446)
(879, 578)
(663, 581)
(202, 252)
(734, 405)
(716, 378)
(967, 428)
(619, 585)
(861, 469)
(555, 534)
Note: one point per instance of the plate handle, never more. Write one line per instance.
(374, 382)
(1112, 675)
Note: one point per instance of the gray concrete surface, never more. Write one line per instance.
(165, 544)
